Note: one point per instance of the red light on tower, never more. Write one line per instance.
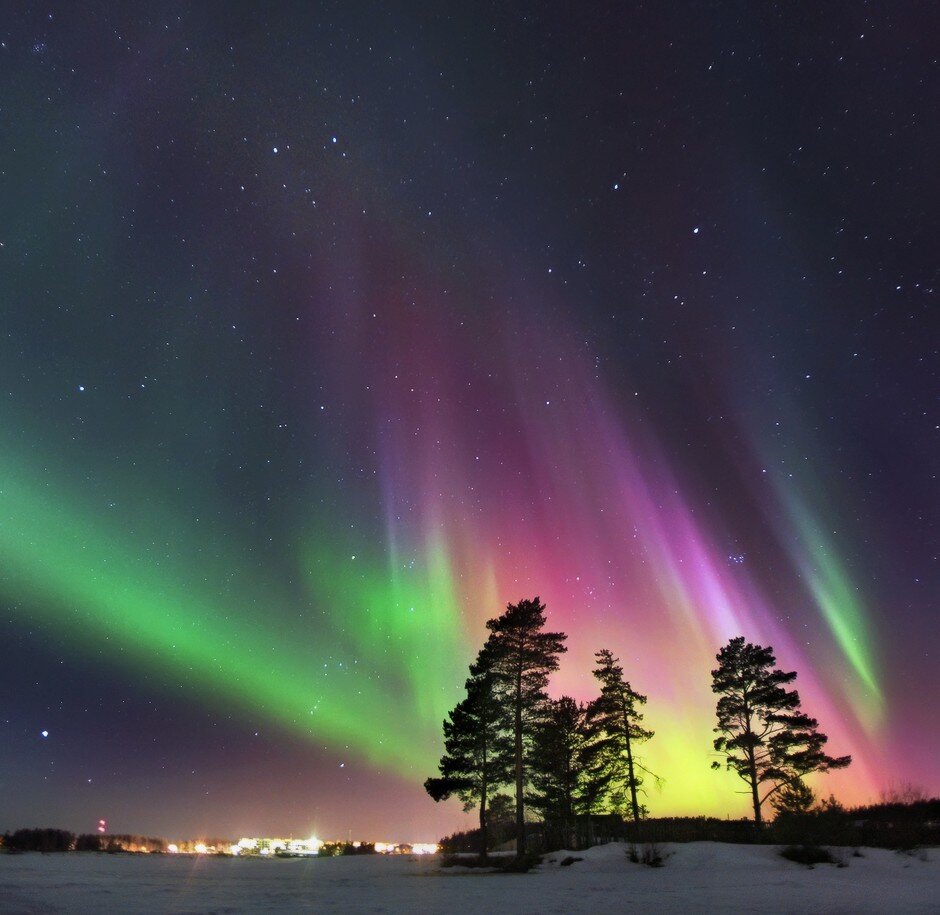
(102, 825)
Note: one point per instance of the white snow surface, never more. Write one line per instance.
(706, 877)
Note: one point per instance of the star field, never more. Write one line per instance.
(327, 331)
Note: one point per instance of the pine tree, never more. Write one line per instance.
(560, 755)
(616, 716)
(477, 758)
(522, 656)
(793, 799)
(764, 735)
(598, 775)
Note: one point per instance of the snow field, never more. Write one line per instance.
(699, 877)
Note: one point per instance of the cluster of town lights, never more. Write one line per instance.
(266, 847)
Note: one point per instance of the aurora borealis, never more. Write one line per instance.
(329, 331)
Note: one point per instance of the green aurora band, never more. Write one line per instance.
(98, 587)
(840, 606)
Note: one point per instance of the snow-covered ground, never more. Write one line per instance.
(698, 877)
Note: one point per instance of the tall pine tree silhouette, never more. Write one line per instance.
(763, 733)
(616, 716)
(559, 772)
(522, 656)
(477, 756)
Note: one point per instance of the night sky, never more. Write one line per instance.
(330, 328)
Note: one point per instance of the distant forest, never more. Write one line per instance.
(55, 840)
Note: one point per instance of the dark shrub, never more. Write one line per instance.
(649, 854)
(518, 864)
(808, 854)
(515, 864)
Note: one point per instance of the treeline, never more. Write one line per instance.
(898, 826)
(123, 842)
(567, 763)
(46, 840)
(59, 840)
(612, 827)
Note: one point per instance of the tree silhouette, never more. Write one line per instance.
(793, 799)
(763, 734)
(561, 755)
(44, 840)
(616, 716)
(598, 776)
(522, 655)
(477, 757)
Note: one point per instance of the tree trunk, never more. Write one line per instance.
(755, 797)
(484, 837)
(752, 765)
(570, 839)
(520, 810)
(630, 773)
